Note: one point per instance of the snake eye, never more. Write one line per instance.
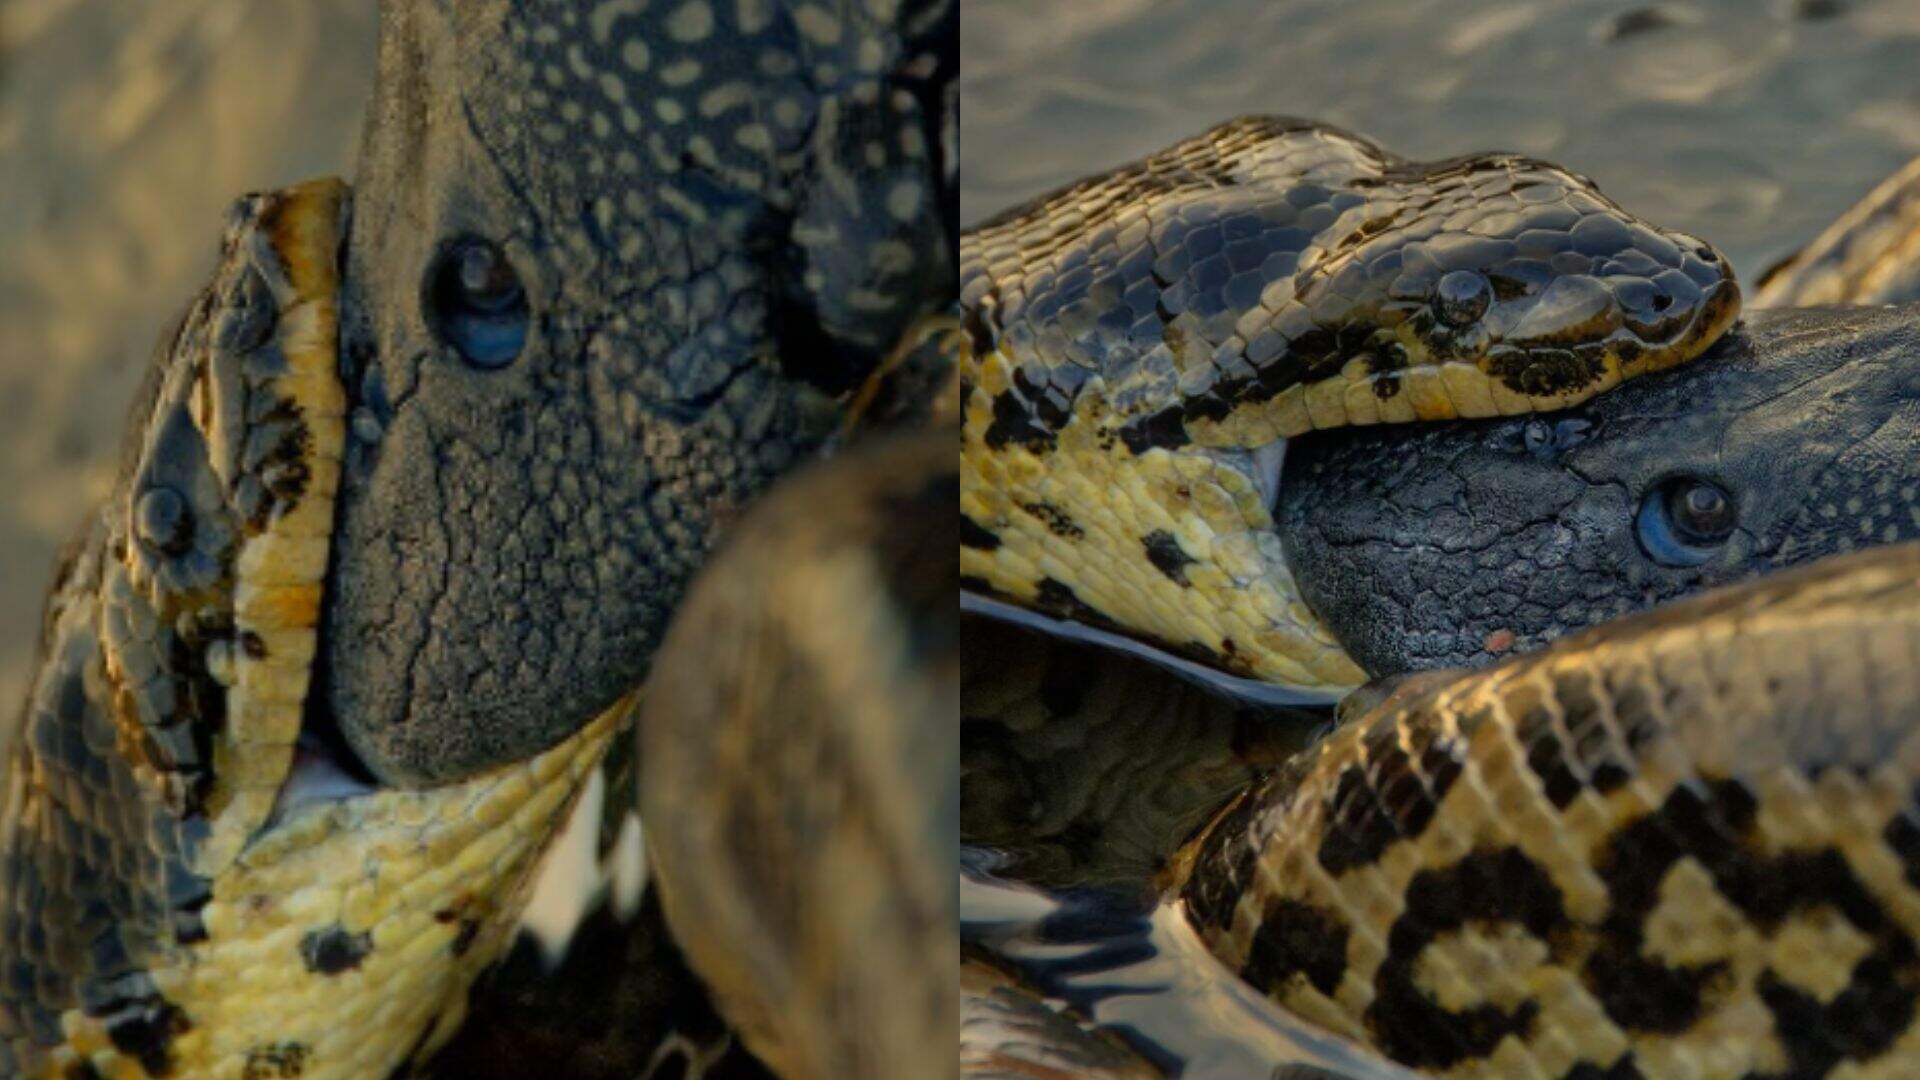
(1683, 520)
(1461, 297)
(474, 302)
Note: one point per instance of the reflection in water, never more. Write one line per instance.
(1085, 766)
(1008, 1030)
(1140, 971)
(1750, 124)
(1083, 771)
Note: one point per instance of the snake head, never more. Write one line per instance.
(1516, 267)
(610, 273)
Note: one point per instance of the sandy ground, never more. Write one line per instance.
(126, 128)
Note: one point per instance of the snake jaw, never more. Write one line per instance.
(270, 903)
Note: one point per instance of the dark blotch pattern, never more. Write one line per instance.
(142, 1025)
(1167, 556)
(1501, 886)
(1392, 793)
(1014, 424)
(1297, 939)
(1623, 1069)
(98, 893)
(1638, 993)
(276, 1061)
(1227, 865)
(332, 950)
(1359, 828)
(1181, 280)
(1904, 838)
(1057, 598)
(1165, 429)
(975, 535)
(1547, 757)
(1057, 521)
(1711, 824)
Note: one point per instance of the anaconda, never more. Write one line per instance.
(1144, 342)
(1441, 540)
(416, 485)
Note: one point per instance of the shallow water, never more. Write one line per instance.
(1083, 770)
(1752, 124)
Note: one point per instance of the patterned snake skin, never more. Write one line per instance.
(1143, 342)
(1685, 843)
(219, 853)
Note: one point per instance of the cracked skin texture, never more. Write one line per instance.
(1449, 545)
(1681, 844)
(701, 200)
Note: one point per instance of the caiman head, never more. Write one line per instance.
(609, 269)
(1450, 545)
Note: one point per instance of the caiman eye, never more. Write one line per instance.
(474, 302)
(1684, 520)
(1461, 297)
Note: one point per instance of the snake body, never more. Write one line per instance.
(1684, 843)
(416, 486)
(801, 809)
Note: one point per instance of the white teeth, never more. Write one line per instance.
(1266, 470)
(314, 778)
(629, 869)
(569, 881)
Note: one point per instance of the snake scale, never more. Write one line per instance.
(1677, 845)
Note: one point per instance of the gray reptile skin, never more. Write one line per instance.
(1447, 545)
(721, 213)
